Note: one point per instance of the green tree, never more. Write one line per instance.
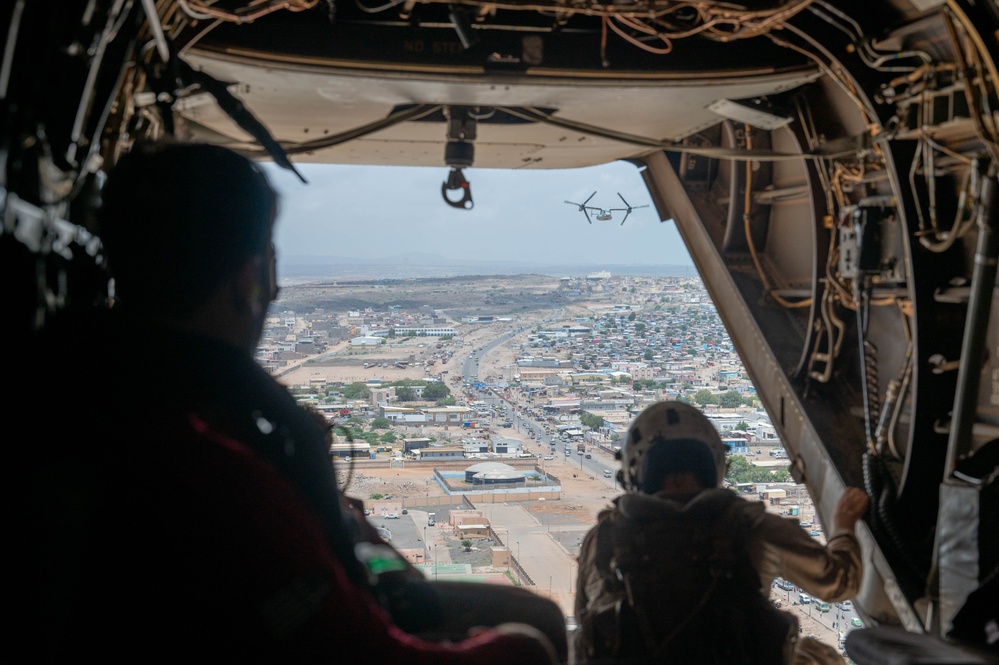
(381, 423)
(436, 391)
(742, 426)
(388, 437)
(704, 396)
(632, 316)
(639, 327)
(405, 394)
(447, 401)
(592, 421)
(356, 390)
(391, 333)
(467, 544)
(730, 399)
(741, 471)
(648, 355)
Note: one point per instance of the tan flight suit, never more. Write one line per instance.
(777, 547)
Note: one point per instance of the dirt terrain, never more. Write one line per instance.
(498, 295)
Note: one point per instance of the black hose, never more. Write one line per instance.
(880, 486)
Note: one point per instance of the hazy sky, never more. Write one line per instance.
(373, 212)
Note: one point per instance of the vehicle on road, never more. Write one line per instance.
(392, 516)
(549, 457)
(588, 456)
(813, 533)
(846, 605)
(822, 607)
(431, 519)
(608, 473)
(856, 622)
(804, 599)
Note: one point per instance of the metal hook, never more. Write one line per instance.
(456, 180)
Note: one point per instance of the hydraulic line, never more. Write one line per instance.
(976, 326)
(868, 371)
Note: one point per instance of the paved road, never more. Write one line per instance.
(825, 625)
(549, 565)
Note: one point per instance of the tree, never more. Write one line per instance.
(447, 401)
(356, 390)
(648, 355)
(405, 394)
(632, 316)
(704, 396)
(639, 327)
(467, 544)
(741, 471)
(435, 391)
(730, 399)
(388, 437)
(592, 421)
(742, 426)
(381, 423)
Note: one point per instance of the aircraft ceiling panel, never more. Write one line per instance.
(301, 104)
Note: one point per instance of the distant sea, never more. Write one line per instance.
(302, 268)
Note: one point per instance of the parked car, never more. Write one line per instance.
(804, 598)
(589, 456)
(549, 457)
(392, 516)
(813, 532)
(607, 473)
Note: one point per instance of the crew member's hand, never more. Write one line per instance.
(850, 508)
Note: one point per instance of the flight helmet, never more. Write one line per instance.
(671, 437)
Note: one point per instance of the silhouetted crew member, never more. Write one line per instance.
(680, 569)
(180, 506)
